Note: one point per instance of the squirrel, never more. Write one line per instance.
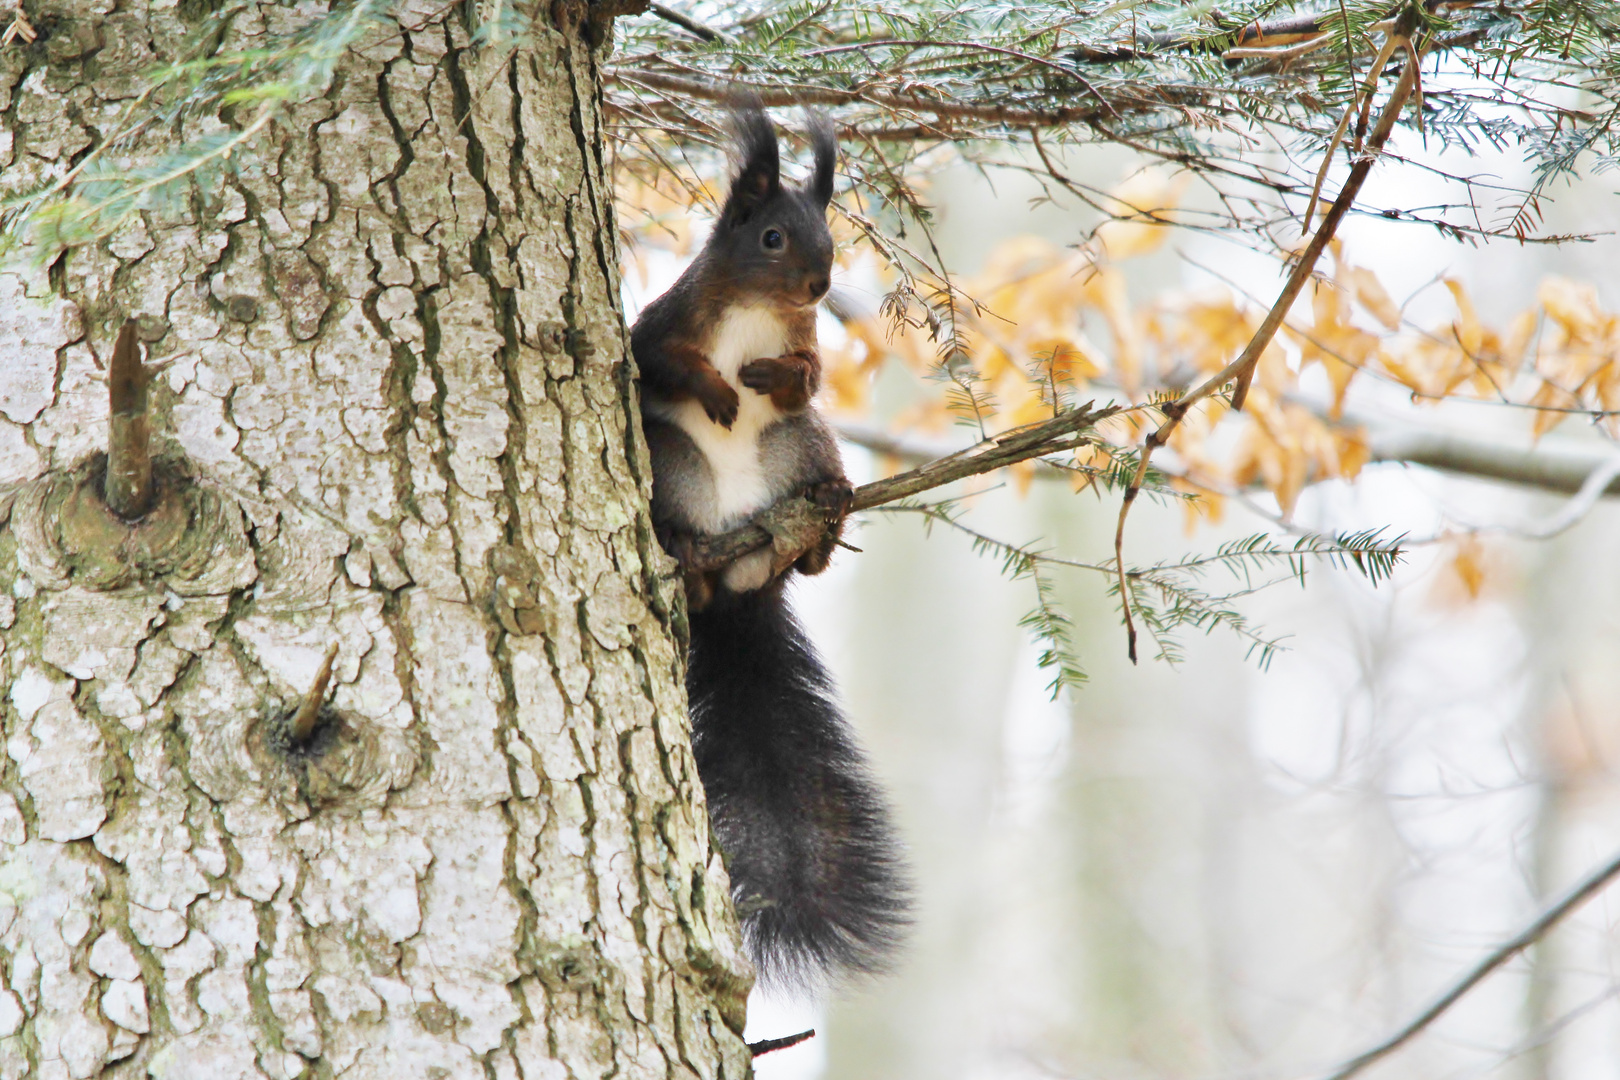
(728, 366)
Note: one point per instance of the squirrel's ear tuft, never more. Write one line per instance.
(756, 168)
(825, 144)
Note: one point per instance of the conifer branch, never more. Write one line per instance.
(1197, 89)
(914, 103)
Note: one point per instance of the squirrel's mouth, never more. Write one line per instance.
(807, 294)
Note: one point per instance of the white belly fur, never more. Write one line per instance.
(741, 489)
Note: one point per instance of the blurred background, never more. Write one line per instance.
(1217, 869)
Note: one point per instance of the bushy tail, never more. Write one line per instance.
(814, 869)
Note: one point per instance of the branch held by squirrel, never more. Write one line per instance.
(795, 524)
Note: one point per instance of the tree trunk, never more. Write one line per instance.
(397, 419)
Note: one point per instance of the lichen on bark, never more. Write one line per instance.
(396, 376)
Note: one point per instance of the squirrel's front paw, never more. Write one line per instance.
(834, 495)
(719, 401)
(786, 379)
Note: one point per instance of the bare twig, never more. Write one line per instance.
(303, 722)
(1355, 107)
(765, 1046)
(1241, 370)
(1581, 892)
(1602, 477)
(690, 25)
(128, 485)
(1292, 52)
(997, 452)
(798, 515)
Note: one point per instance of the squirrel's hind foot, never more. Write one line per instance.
(835, 497)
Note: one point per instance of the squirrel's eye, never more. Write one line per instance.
(772, 240)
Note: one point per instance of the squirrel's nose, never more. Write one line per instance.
(818, 288)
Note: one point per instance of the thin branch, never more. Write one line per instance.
(996, 452)
(1242, 369)
(690, 25)
(1581, 892)
(1373, 72)
(1602, 477)
(1564, 469)
(795, 522)
(1293, 52)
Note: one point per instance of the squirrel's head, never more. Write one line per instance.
(771, 238)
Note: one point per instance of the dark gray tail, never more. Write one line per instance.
(814, 869)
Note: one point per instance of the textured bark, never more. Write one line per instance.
(396, 416)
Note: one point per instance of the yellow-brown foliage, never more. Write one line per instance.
(1039, 314)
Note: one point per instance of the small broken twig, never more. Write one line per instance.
(690, 25)
(303, 721)
(128, 486)
(765, 1046)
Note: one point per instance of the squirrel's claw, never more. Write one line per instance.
(720, 402)
(834, 495)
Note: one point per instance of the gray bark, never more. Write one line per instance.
(396, 416)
